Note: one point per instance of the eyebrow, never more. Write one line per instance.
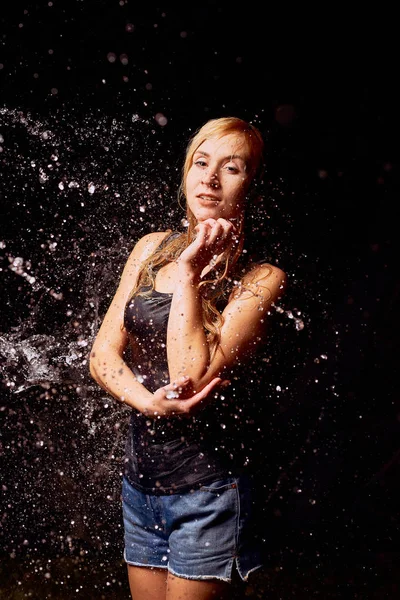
(230, 157)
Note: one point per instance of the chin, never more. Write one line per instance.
(207, 213)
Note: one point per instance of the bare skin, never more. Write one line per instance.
(158, 584)
(215, 189)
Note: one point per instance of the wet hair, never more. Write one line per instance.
(214, 289)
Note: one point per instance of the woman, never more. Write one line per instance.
(190, 309)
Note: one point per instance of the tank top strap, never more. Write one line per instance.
(168, 238)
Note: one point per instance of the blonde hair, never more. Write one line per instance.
(215, 289)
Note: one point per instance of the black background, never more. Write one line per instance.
(322, 88)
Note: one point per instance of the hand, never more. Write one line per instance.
(212, 239)
(166, 400)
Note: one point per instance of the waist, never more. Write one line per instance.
(174, 456)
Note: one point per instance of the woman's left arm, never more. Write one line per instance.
(243, 331)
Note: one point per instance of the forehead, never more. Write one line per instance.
(226, 146)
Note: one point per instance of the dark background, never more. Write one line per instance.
(322, 87)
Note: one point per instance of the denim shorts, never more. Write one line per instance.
(197, 535)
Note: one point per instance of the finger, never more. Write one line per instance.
(224, 235)
(209, 222)
(186, 406)
(216, 234)
(206, 224)
(208, 388)
(202, 231)
(228, 226)
(184, 380)
(227, 222)
(225, 383)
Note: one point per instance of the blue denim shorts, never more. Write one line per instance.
(197, 535)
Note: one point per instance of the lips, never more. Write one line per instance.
(208, 197)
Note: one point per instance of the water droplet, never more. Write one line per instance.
(161, 119)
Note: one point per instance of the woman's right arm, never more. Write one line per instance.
(107, 366)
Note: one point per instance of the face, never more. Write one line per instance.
(217, 180)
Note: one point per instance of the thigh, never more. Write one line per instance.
(149, 583)
(179, 588)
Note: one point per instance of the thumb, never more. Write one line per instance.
(184, 380)
(210, 386)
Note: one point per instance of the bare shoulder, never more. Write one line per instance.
(263, 273)
(146, 245)
(264, 279)
(143, 248)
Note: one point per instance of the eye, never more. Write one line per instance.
(200, 163)
(232, 169)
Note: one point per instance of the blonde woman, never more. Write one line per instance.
(191, 310)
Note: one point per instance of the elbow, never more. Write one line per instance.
(96, 359)
(92, 371)
(92, 367)
(196, 384)
(100, 358)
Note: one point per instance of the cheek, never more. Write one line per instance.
(190, 181)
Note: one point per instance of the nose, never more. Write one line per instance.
(210, 178)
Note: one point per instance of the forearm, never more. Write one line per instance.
(113, 374)
(187, 347)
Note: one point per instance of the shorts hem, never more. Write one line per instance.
(139, 564)
(246, 577)
(199, 577)
(146, 565)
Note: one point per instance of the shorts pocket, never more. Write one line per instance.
(218, 487)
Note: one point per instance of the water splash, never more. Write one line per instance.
(79, 192)
(290, 314)
(74, 200)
